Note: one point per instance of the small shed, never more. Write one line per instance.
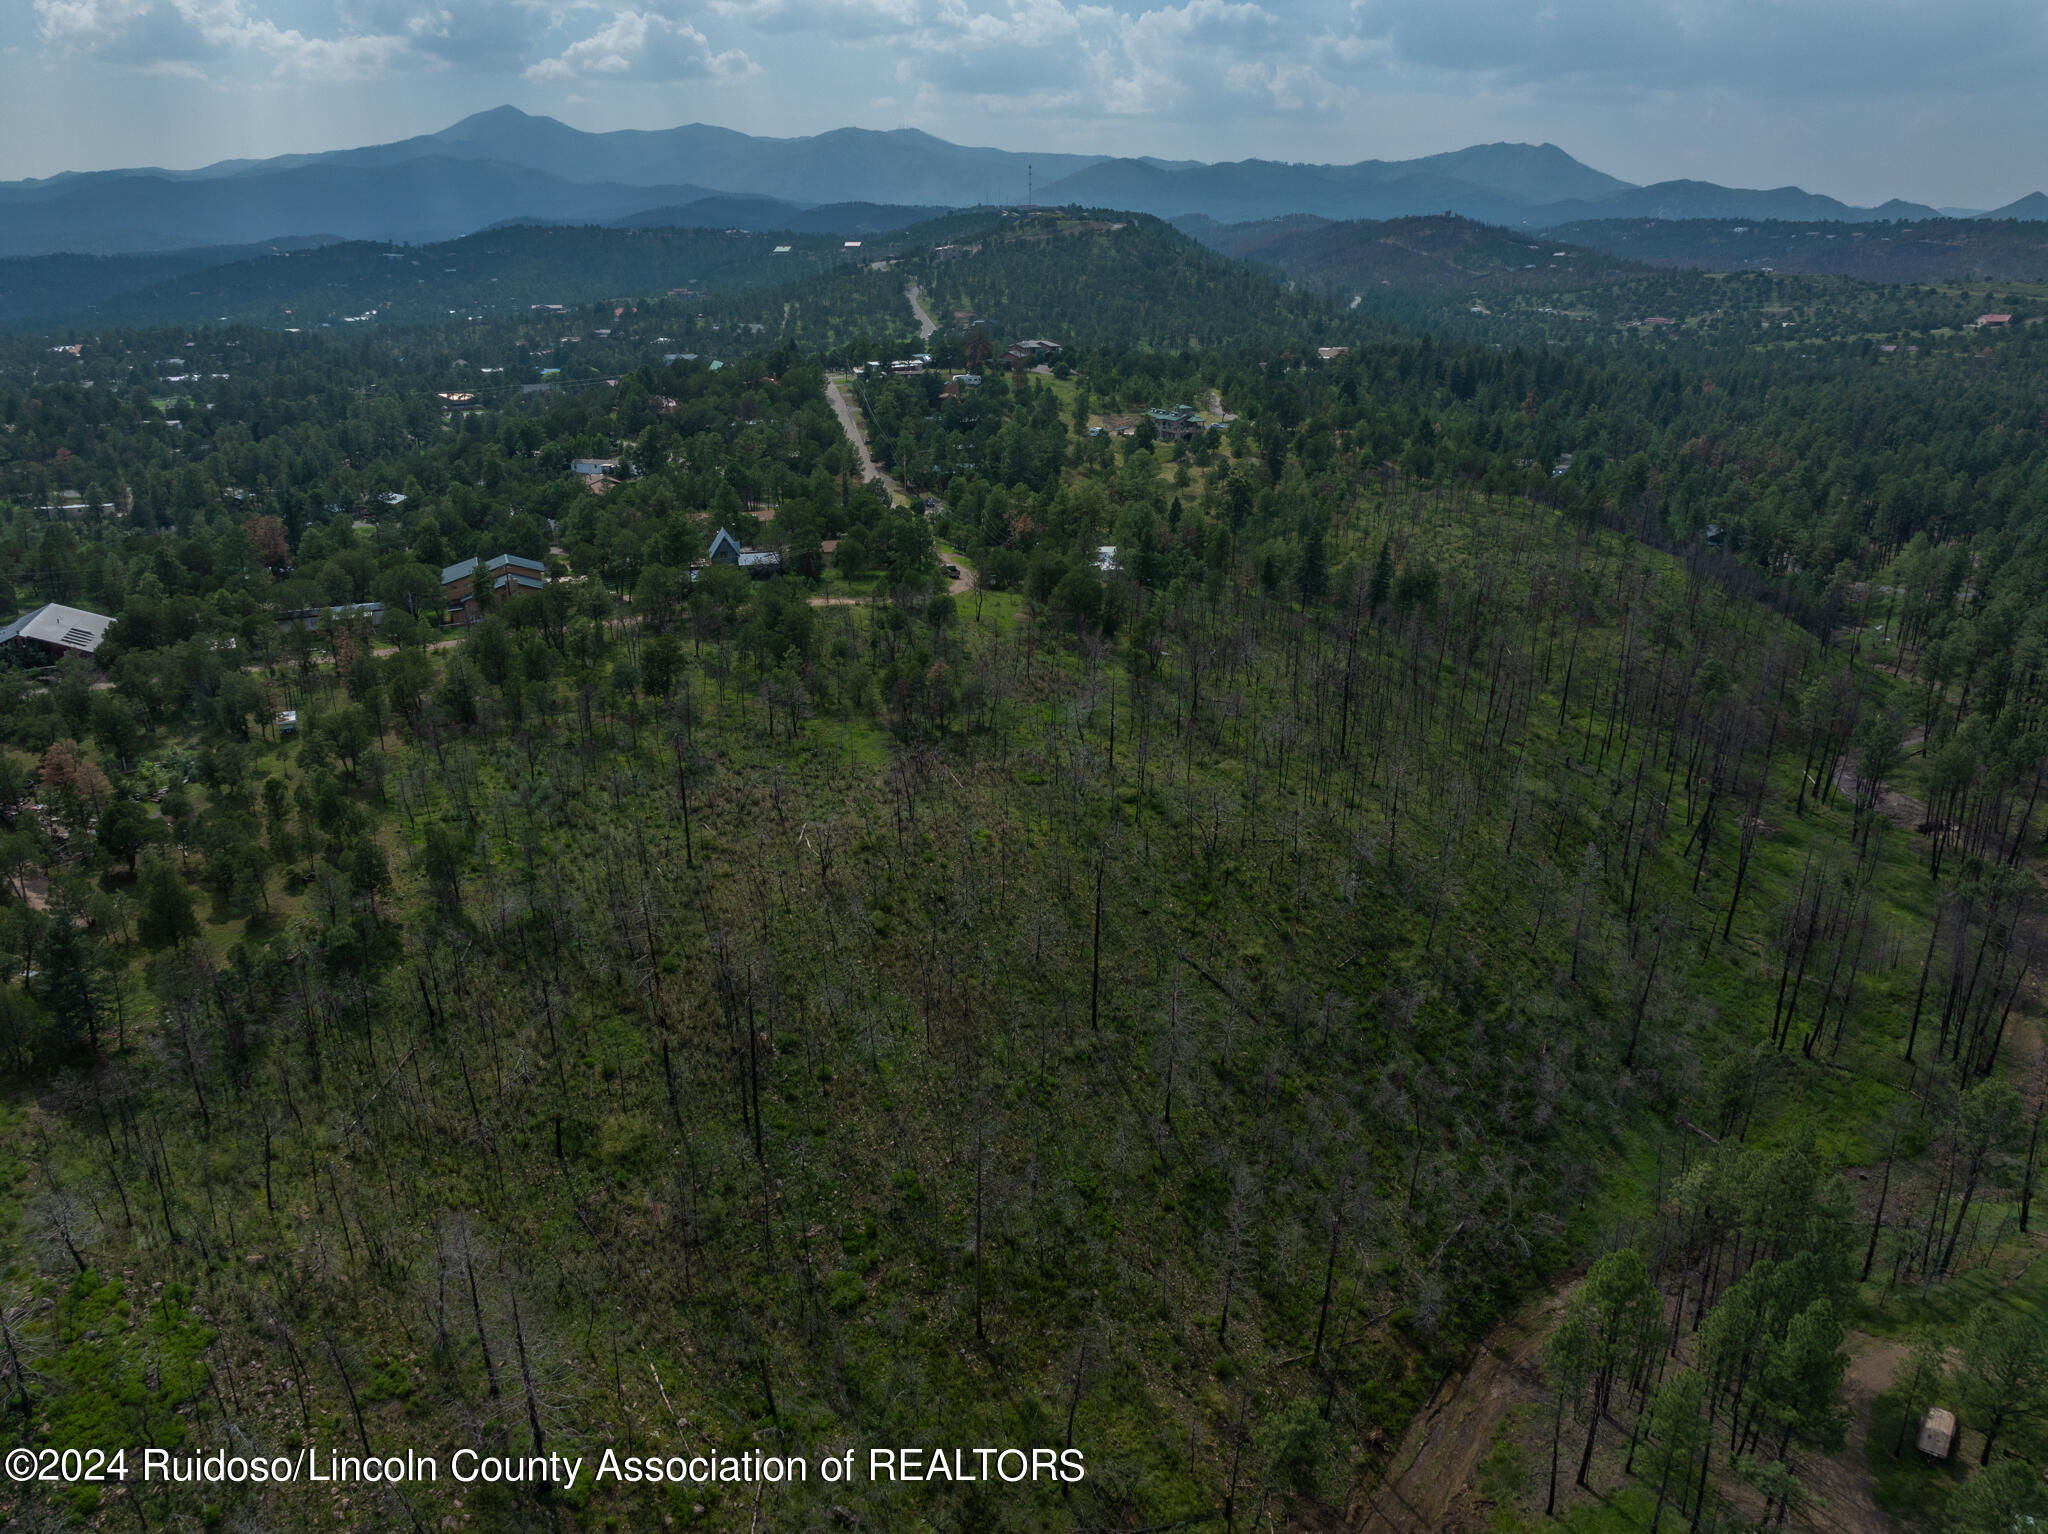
(1937, 1433)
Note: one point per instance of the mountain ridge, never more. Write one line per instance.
(505, 164)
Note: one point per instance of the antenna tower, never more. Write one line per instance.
(1030, 185)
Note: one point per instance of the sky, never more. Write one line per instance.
(1937, 101)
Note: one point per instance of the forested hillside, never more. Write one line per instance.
(1926, 250)
(1413, 254)
(499, 271)
(37, 291)
(1483, 829)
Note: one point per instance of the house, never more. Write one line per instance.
(392, 498)
(1177, 424)
(509, 575)
(53, 631)
(589, 466)
(1937, 1433)
(1025, 354)
(1331, 353)
(1985, 321)
(312, 617)
(726, 550)
(967, 380)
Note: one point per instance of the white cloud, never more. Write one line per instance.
(644, 46)
(466, 34)
(1086, 60)
(1761, 47)
(176, 36)
(845, 20)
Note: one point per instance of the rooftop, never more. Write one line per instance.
(69, 628)
(455, 572)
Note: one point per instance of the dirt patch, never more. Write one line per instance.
(1902, 810)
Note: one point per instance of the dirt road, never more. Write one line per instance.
(1428, 1488)
(1844, 1504)
(849, 422)
(962, 582)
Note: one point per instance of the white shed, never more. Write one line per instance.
(1937, 1433)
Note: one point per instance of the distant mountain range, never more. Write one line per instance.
(505, 166)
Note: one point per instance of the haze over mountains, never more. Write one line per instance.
(505, 165)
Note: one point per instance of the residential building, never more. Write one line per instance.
(1025, 354)
(313, 617)
(1176, 424)
(759, 563)
(507, 575)
(52, 631)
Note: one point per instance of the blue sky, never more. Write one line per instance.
(1864, 99)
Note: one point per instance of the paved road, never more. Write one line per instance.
(849, 422)
(925, 323)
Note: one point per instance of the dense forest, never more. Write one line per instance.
(1503, 846)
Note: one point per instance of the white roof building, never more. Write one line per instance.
(57, 627)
